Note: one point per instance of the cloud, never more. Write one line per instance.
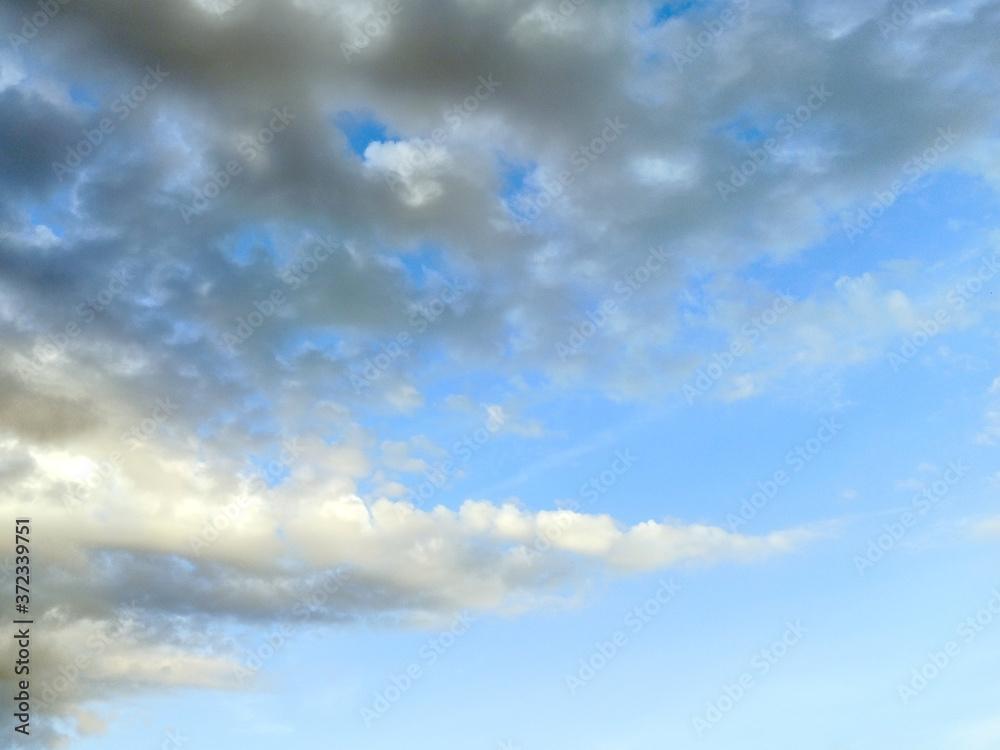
(988, 528)
(127, 580)
(359, 262)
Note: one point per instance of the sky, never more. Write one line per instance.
(509, 374)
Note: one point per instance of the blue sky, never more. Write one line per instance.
(517, 376)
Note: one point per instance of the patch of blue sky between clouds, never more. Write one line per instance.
(947, 210)
(513, 174)
(270, 467)
(516, 183)
(51, 215)
(247, 244)
(927, 216)
(743, 129)
(673, 9)
(362, 128)
(424, 265)
(85, 97)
